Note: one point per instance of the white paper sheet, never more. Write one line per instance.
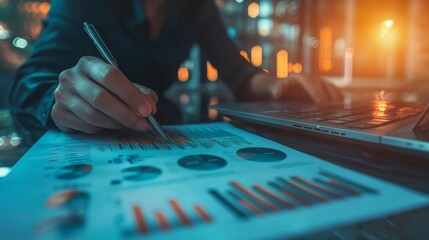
(212, 181)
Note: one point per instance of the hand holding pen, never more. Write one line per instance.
(95, 95)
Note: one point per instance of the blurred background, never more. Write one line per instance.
(366, 47)
(353, 43)
(381, 42)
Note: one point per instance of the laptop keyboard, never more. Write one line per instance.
(355, 117)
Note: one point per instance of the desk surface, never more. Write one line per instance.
(395, 166)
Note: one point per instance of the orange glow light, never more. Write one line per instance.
(282, 64)
(290, 67)
(388, 34)
(212, 74)
(256, 55)
(380, 108)
(213, 112)
(297, 68)
(325, 49)
(385, 27)
(183, 74)
(245, 55)
(388, 23)
(380, 105)
(253, 10)
(44, 7)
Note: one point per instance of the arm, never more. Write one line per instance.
(58, 87)
(57, 48)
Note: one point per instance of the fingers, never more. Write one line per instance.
(112, 79)
(69, 122)
(150, 92)
(79, 115)
(295, 89)
(85, 111)
(103, 105)
(94, 95)
(300, 87)
(93, 116)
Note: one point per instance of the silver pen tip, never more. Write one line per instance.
(155, 125)
(163, 135)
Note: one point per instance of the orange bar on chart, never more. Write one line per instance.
(184, 219)
(142, 226)
(247, 204)
(203, 213)
(252, 207)
(273, 196)
(321, 188)
(162, 221)
(306, 190)
(254, 196)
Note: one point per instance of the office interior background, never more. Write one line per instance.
(363, 45)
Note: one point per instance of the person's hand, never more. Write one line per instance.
(94, 95)
(295, 87)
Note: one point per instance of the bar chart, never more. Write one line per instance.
(183, 138)
(172, 215)
(286, 193)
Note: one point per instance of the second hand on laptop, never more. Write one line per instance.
(107, 55)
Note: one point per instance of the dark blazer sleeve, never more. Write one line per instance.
(58, 47)
(221, 50)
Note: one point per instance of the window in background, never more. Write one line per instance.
(365, 39)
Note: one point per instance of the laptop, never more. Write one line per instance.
(397, 124)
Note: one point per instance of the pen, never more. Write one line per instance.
(107, 55)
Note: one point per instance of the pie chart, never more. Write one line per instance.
(202, 162)
(141, 173)
(258, 154)
(73, 171)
